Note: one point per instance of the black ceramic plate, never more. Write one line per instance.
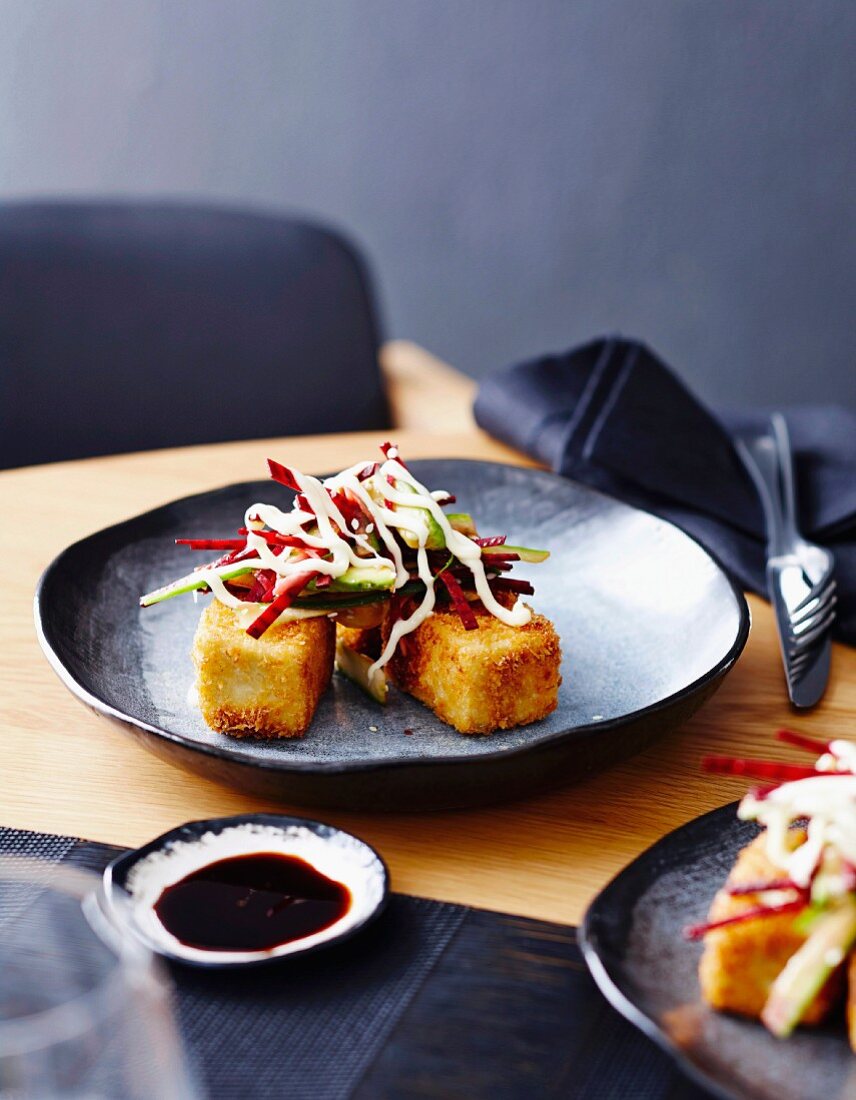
(649, 625)
(633, 943)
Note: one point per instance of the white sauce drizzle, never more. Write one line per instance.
(829, 802)
(416, 503)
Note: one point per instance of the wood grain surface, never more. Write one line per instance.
(63, 769)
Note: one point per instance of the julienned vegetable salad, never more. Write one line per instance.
(372, 536)
(815, 877)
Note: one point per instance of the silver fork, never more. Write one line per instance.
(799, 573)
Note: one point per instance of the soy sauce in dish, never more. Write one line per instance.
(251, 902)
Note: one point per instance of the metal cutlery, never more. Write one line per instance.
(800, 577)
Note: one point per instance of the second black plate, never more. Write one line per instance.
(633, 943)
(649, 625)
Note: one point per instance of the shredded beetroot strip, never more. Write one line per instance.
(491, 540)
(500, 555)
(283, 475)
(212, 544)
(387, 447)
(759, 769)
(351, 509)
(274, 538)
(262, 588)
(295, 585)
(459, 601)
(697, 931)
(508, 584)
(741, 888)
(236, 555)
(810, 744)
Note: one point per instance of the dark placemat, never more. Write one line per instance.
(433, 1000)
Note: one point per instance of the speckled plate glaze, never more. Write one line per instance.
(648, 621)
(633, 943)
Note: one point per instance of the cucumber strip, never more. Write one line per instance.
(194, 581)
(805, 921)
(356, 667)
(435, 539)
(525, 553)
(807, 969)
(462, 522)
(335, 603)
(363, 579)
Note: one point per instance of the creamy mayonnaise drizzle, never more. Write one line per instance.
(372, 493)
(840, 758)
(829, 803)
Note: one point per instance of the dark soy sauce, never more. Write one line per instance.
(251, 903)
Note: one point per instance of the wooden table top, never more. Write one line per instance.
(65, 770)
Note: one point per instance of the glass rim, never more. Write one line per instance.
(131, 962)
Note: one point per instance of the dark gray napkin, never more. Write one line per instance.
(613, 415)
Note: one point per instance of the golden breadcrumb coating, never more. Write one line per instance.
(481, 680)
(741, 961)
(260, 687)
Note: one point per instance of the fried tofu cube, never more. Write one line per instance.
(495, 677)
(260, 687)
(741, 961)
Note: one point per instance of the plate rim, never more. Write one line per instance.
(286, 764)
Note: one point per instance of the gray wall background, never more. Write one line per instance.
(523, 173)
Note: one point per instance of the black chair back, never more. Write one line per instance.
(129, 326)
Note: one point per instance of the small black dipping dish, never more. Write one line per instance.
(246, 890)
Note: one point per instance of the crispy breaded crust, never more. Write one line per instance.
(265, 687)
(741, 961)
(481, 680)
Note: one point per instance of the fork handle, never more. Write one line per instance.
(761, 460)
(785, 455)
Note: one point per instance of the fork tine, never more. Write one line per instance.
(826, 618)
(809, 628)
(798, 666)
(813, 592)
(797, 630)
(794, 675)
(815, 607)
(797, 662)
(805, 640)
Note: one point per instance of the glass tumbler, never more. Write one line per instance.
(85, 1011)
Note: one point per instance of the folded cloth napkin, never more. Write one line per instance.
(613, 415)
